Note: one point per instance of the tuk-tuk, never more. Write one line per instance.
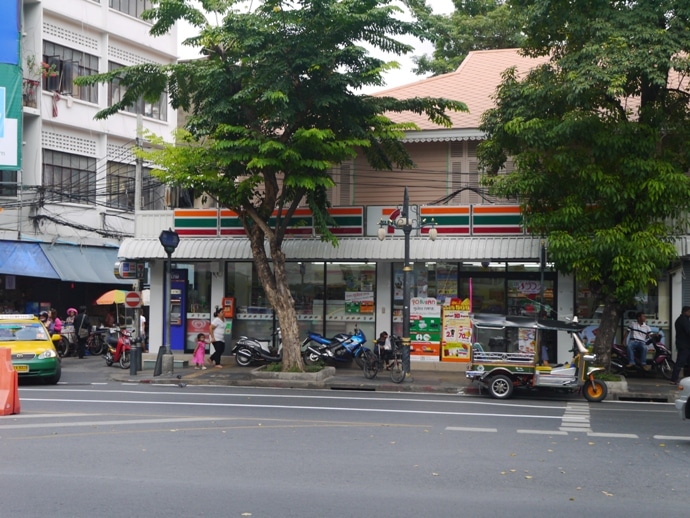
(505, 355)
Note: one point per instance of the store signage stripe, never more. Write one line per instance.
(449, 230)
(196, 213)
(497, 220)
(196, 223)
(440, 211)
(353, 211)
(495, 209)
(232, 232)
(496, 230)
(196, 232)
(352, 221)
(457, 221)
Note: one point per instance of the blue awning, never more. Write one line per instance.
(21, 258)
(84, 263)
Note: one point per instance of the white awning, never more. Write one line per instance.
(83, 263)
(497, 248)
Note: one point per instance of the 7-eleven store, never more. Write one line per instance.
(481, 256)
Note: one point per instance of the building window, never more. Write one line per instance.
(120, 188)
(68, 64)
(156, 110)
(69, 178)
(131, 7)
(8, 183)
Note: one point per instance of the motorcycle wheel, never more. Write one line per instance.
(63, 347)
(360, 361)
(666, 367)
(594, 390)
(311, 358)
(96, 346)
(242, 360)
(397, 371)
(371, 365)
(125, 359)
(500, 387)
(109, 359)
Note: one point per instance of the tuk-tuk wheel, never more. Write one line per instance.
(594, 390)
(500, 386)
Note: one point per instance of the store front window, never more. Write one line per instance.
(329, 298)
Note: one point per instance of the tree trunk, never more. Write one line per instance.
(606, 333)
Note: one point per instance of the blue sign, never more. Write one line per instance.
(9, 33)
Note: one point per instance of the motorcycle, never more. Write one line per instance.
(119, 352)
(661, 362)
(249, 350)
(340, 348)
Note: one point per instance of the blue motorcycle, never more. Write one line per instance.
(341, 348)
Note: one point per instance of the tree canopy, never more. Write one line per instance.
(600, 137)
(474, 25)
(272, 108)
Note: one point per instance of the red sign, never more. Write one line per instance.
(132, 299)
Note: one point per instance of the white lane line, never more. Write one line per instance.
(114, 423)
(543, 432)
(671, 437)
(291, 407)
(613, 435)
(576, 418)
(468, 429)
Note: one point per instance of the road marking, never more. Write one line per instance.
(613, 435)
(468, 429)
(114, 423)
(576, 418)
(671, 437)
(543, 432)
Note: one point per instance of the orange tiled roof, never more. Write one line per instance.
(474, 83)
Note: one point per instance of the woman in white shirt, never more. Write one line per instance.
(217, 337)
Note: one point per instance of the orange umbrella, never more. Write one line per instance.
(111, 297)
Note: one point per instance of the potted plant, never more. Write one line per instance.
(37, 71)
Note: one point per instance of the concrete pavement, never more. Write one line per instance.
(425, 378)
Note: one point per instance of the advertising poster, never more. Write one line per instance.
(457, 331)
(425, 329)
(197, 323)
(10, 116)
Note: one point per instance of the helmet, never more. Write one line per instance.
(43, 314)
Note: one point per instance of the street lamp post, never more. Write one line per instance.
(169, 239)
(407, 225)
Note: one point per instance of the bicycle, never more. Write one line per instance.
(381, 358)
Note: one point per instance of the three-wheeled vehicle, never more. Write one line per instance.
(505, 355)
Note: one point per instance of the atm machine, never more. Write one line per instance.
(178, 309)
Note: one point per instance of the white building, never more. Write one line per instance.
(69, 201)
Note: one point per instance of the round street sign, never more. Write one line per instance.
(132, 299)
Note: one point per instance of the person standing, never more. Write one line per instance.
(200, 351)
(217, 337)
(81, 327)
(682, 327)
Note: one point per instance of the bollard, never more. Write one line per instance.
(9, 384)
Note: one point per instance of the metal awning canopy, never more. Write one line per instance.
(22, 258)
(83, 263)
(490, 321)
(349, 249)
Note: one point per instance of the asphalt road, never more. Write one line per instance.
(93, 447)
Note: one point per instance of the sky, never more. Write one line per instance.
(393, 78)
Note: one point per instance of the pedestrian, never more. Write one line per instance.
(682, 327)
(200, 351)
(142, 331)
(217, 337)
(68, 326)
(82, 326)
(54, 322)
(638, 332)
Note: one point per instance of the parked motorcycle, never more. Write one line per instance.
(249, 350)
(340, 348)
(661, 362)
(120, 352)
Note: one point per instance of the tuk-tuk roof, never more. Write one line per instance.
(487, 321)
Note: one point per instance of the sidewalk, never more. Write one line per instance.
(426, 378)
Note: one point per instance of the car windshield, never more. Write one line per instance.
(18, 332)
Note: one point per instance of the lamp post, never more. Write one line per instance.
(403, 222)
(169, 239)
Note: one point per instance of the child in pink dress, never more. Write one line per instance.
(200, 351)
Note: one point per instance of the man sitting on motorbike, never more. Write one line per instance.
(637, 341)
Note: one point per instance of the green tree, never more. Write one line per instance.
(600, 135)
(474, 25)
(273, 106)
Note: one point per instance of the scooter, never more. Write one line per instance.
(249, 350)
(340, 348)
(661, 362)
(120, 351)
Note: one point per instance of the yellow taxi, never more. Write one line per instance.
(33, 352)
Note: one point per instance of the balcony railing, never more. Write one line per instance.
(30, 90)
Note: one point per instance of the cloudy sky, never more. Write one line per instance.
(393, 78)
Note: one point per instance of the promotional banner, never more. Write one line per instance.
(457, 331)
(425, 328)
(10, 116)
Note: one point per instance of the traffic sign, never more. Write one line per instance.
(133, 299)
